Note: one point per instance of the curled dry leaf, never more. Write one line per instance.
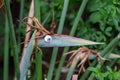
(40, 30)
(82, 54)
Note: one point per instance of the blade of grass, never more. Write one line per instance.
(77, 19)
(85, 75)
(25, 61)
(12, 32)
(37, 9)
(71, 70)
(47, 17)
(20, 17)
(111, 56)
(38, 55)
(60, 28)
(106, 51)
(38, 61)
(21, 9)
(6, 51)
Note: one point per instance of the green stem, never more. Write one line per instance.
(38, 57)
(71, 70)
(78, 17)
(60, 28)
(21, 9)
(85, 75)
(75, 24)
(52, 63)
(20, 17)
(6, 51)
(37, 9)
(62, 19)
(38, 54)
(12, 32)
(58, 71)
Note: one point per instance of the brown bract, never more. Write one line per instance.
(82, 55)
(41, 31)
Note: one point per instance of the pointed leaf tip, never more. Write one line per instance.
(59, 40)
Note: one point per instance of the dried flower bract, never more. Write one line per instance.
(82, 55)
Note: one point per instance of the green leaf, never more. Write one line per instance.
(113, 56)
(65, 40)
(95, 17)
(25, 61)
(92, 69)
(109, 69)
(116, 2)
(102, 25)
(96, 6)
(107, 31)
(116, 23)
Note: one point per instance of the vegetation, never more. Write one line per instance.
(94, 20)
(109, 74)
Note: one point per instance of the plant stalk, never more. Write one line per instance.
(60, 28)
(13, 38)
(39, 52)
(6, 51)
(75, 24)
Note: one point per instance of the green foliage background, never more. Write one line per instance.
(99, 22)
